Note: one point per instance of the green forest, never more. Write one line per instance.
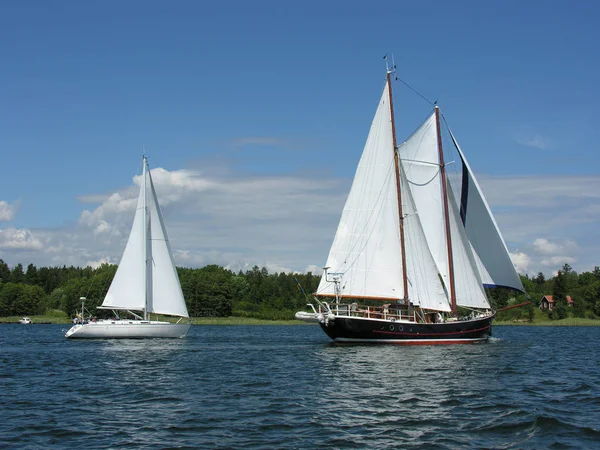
(213, 291)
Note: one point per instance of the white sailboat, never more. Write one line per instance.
(146, 280)
(407, 240)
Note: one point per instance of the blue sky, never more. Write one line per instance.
(269, 104)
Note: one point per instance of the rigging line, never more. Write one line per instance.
(415, 91)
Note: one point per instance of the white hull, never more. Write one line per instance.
(127, 329)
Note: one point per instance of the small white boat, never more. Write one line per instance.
(146, 280)
(25, 321)
(305, 316)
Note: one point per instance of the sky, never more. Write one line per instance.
(253, 116)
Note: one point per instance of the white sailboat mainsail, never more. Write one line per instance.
(128, 288)
(492, 256)
(146, 279)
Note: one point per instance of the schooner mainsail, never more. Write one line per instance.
(405, 239)
(146, 279)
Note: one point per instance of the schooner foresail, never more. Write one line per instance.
(146, 279)
(405, 239)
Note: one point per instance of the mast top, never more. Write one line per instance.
(389, 70)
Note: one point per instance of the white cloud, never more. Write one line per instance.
(19, 239)
(315, 270)
(521, 261)
(7, 211)
(98, 263)
(545, 247)
(554, 261)
(287, 222)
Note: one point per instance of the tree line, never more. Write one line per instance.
(218, 292)
(583, 288)
(209, 291)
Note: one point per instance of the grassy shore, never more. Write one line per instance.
(568, 322)
(539, 320)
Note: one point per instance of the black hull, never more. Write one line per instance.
(345, 329)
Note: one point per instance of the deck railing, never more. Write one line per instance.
(373, 312)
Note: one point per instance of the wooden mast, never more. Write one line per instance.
(446, 211)
(400, 214)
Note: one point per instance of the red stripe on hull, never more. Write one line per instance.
(408, 342)
(431, 334)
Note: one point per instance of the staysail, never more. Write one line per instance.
(128, 290)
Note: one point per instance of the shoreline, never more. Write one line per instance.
(239, 320)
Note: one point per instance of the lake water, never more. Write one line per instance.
(288, 387)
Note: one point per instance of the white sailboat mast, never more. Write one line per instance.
(147, 243)
(446, 211)
(397, 168)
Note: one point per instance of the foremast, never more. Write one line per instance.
(398, 190)
(446, 211)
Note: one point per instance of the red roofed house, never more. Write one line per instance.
(548, 303)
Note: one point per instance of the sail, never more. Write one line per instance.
(424, 286)
(167, 297)
(420, 160)
(366, 249)
(467, 280)
(146, 278)
(492, 256)
(128, 290)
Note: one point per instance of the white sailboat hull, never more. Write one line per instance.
(127, 329)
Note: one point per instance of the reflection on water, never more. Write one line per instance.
(289, 387)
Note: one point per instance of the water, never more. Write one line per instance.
(288, 387)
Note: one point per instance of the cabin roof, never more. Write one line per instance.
(551, 300)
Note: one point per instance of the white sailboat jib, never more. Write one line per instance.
(167, 296)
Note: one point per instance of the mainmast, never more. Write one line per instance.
(400, 214)
(147, 242)
(446, 211)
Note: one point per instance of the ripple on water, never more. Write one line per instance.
(288, 387)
